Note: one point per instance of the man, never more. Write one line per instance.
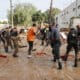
(4, 38)
(8, 38)
(72, 43)
(14, 37)
(78, 36)
(55, 44)
(42, 31)
(30, 38)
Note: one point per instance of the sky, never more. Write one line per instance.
(40, 4)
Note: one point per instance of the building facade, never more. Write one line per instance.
(63, 18)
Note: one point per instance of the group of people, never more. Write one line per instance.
(51, 34)
(9, 38)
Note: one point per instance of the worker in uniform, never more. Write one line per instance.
(8, 39)
(14, 36)
(31, 34)
(4, 37)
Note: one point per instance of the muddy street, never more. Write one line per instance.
(39, 67)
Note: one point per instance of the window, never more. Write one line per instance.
(67, 12)
(79, 7)
(62, 15)
(74, 9)
(56, 18)
(66, 22)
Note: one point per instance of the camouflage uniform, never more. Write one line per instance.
(3, 39)
(14, 37)
(7, 39)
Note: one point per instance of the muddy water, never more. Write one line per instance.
(38, 67)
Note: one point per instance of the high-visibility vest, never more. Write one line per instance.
(31, 34)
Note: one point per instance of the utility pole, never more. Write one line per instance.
(50, 13)
(76, 7)
(11, 12)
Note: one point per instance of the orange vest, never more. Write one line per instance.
(31, 34)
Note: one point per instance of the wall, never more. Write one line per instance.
(63, 18)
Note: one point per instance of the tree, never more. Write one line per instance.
(54, 12)
(3, 22)
(38, 17)
(22, 14)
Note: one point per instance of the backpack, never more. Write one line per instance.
(52, 36)
(72, 36)
(55, 37)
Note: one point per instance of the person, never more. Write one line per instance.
(72, 43)
(14, 36)
(78, 36)
(43, 34)
(55, 44)
(8, 38)
(0, 36)
(4, 37)
(31, 34)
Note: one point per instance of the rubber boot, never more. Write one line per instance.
(60, 65)
(75, 64)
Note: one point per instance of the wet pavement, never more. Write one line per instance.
(39, 67)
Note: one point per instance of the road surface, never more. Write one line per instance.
(39, 67)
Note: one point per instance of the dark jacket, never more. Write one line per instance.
(55, 37)
(72, 37)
